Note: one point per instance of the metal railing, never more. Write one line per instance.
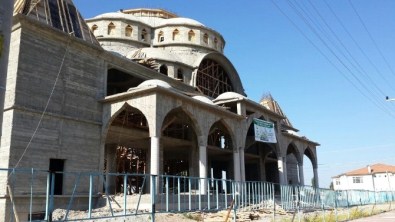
(34, 194)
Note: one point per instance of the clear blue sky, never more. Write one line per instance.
(349, 118)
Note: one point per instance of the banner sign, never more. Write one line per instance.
(264, 131)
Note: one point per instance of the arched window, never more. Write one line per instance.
(205, 38)
(176, 34)
(180, 74)
(191, 36)
(212, 79)
(143, 35)
(94, 29)
(163, 69)
(111, 29)
(128, 31)
(161, 38)
(215, 43)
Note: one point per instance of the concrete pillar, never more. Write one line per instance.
(316, 184)
(6, 9)
(301, 174)
(280, 165)
(155, 161)
(110, 152)
(203, 168)
(242, 165)
(236, 165)
(241, 109)
(155, 157)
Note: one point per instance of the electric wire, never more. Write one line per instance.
(374, 102)
(381, 106)
(358, 66)
(358, 46)
(371, 38)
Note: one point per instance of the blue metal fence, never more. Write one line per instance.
(31, 194)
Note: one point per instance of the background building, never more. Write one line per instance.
(377, 177)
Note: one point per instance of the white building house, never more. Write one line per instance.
(377, 177)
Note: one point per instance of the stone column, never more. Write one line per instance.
(110, 153)
(242, 165)
(236, 165)
(301, 174)
(280, 165)
(285, 170)
(6, 9)
(155, 161)
(203, 168)
(316, 184)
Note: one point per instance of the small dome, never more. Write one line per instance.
(154, 82)
(203, 99)
(229, 95)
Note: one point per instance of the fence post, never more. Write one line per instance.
(47, 196)
(274, 202)
(153, 194)
(90, 195)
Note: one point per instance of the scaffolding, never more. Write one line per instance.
(212, 80)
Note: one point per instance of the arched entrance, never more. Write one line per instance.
(309, 164)
(179, 143)
(260, 159)
(126, 149)
(220, 152)
(293, 160)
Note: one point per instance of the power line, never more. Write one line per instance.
(374, 101)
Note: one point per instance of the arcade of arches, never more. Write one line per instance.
(186, 140)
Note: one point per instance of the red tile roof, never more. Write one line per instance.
(376, 168)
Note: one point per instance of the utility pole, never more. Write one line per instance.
(6, 9)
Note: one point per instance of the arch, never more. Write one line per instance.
(191, 36)
(161, 37)
(212, 79)
(311, 155)
(163, 69)
(176, 35)
(226, 65)
(128, 31)
(180, 143)
(205, 38)
(94, 28)
(260, 158)
(125, 151)
(220, 148)
(293, 159)
(111, 29)
(143, 35)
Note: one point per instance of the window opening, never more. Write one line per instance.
(163, 69)
(176, 34)
(94, 28)
(161, 38)
(56, 167)
(180, 75)
(111, 29)
(128, 31)
(143, 35)
(216, 43)
(212, 80)
(191, 36)
(205, 38)
(357, 180)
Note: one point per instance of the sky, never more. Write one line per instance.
(329, 64)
